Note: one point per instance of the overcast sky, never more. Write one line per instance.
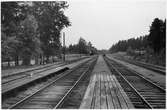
(104, 22)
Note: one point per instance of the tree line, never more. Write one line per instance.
(134, 43)
(155, 40)
(32, 30)
(82, 47)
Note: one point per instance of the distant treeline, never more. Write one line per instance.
(155, 40)
(82, 47)
(32, 30)
(134, 43)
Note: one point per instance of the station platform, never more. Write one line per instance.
(104, 90)
(12, 71)
(20, 82)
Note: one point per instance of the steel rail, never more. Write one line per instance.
(49, 84)
(138, 74)
(162, 89)
(69, 91)
(145, 101)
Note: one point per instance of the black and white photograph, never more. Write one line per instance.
(83, 54)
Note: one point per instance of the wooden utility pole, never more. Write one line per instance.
(64, 46)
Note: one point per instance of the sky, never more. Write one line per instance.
(105, 22)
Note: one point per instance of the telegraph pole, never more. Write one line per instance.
(64, 46)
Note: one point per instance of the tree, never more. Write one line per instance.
(30, 41)
(9, 45)
(129, 50)
(90, 50)
(157, 36)
(32, 28)
(139, 43)
(82, 46)
(51, 21)
(11, 16)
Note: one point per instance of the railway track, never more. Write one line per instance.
(142, 92)
(152, 67)
(54, 93)
(25, 74)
